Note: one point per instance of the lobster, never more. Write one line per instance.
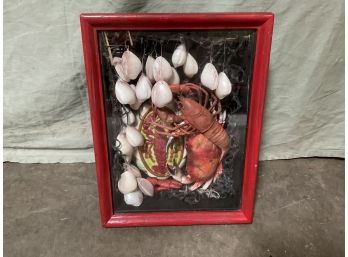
(197, 120)
(157, 152)
(158, 142)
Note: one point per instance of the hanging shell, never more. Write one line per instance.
(145, 186)
(143, 88)
(161, 94)
(224, 87)
(179, 56)
(131, 64)
(134, 137)
(124, 93)
(127, 183)
(116, 60)
(175, 79)
(132, 87)
(125, 147)
(121, 73)
(144, 108)
(128, 116)
(132, 169)
(134, 198)
(190, 66)
(161, 69)
(210, 77)
(149, 68)
(137, 103)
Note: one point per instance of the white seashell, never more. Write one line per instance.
(132, 87)
(127, 183)
(224, 86)
(134, 198)
(137, 103)
(131, 64)
(124, 93)
(120, 72)
(161, 69)
(134, 137)
(132, 169)
(149, 68)
(145, 186)
(190, 66)
(144, 109)
(209, 76)
(126, 148)
(179, 56)
(143, 88)
(161, 94)
(175, 79)
(128, 116)
(116, 60)
(123, 130)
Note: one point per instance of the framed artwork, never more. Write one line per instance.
(176, 105)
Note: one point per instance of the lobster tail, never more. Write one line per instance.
(218, 136)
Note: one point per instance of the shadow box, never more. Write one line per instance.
(176, 104)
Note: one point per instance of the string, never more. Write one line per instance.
(144, 53)
(211, 53)
(223, 64)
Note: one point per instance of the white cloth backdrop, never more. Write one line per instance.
(46, 115)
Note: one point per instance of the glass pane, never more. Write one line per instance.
(183, 141)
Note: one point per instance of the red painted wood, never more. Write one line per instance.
(91, 23)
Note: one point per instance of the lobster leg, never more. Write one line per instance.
(196, 185)
(160, 185)
(207, 183)
(160, 188)
(218, 172)
(172, 131)
(216, 103)
(206, 97)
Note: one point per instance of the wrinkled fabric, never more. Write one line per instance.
(46, 113)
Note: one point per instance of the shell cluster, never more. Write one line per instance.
(160, 73)
(129, 138)
(213, 80)
(137, 84)
(133, 186)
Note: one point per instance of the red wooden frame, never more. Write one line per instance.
(92, 23)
